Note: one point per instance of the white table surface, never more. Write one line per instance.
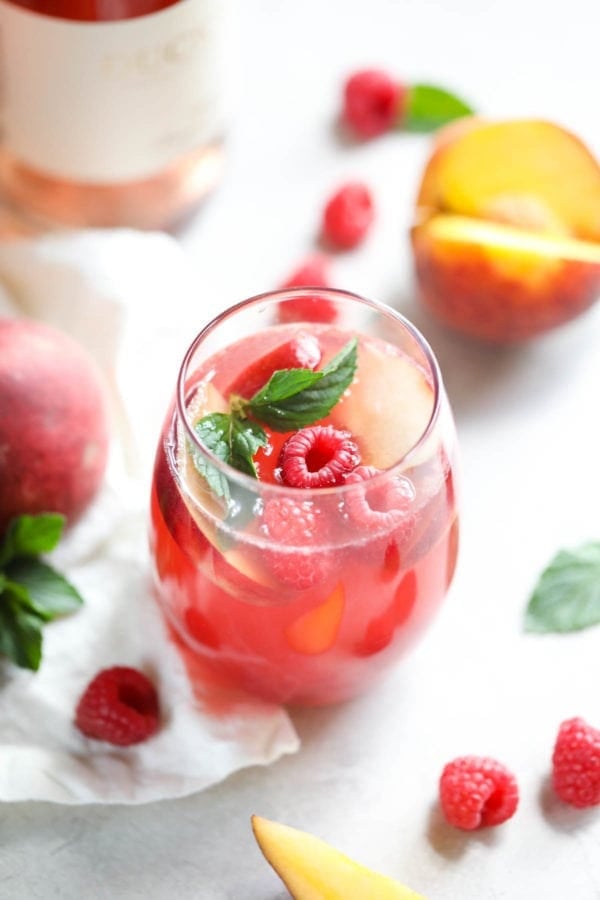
(365, 778)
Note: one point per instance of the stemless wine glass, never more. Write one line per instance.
(305, 595)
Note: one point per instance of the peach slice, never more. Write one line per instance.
(312, 870)
(541, 183)
(393, 395)
(315, 631)
(499, 282)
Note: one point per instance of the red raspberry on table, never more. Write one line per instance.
(476, 791)
(317, 457)
(373, 102)
(313, 272)
(576, 763)
(119, 706)
(348, 215)
(307, 307)
(291, 524)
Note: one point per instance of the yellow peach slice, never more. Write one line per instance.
(484, 170)
(499, 282)
(313, 870)
(315, 631)
(391, 394)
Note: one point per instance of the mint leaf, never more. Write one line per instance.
(246, 438)
(31, 535)
(428, 107)
(17, 592)
(232, 440)
(50, 594)
(282, 385)
(567, 594)
(214, 478)
(31, 591)
(213, 431)
(20, 632)
(294, 398)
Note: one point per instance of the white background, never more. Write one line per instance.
(365, 778)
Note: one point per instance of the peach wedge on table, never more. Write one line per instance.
(312, 870)
(506, 241)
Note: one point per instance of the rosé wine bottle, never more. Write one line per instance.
(304, 595)
(112, 112)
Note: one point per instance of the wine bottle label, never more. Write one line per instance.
(107, 102)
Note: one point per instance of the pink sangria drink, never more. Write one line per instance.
(304, 523)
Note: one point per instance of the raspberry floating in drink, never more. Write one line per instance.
(316, 457)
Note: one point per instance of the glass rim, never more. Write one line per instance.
(335, 294)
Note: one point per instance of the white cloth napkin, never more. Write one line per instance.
(129, 298)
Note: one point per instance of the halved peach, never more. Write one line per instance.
(507, 235)
(500, 282)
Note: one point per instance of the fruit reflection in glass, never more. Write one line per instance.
(304, 522)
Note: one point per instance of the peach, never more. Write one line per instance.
(312, 870)
(315, 631)
(397, 418)
(506, 241)
(502, 283)
(54, 432)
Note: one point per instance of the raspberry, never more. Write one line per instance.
(476, 791)
(576, 763)
(316, 457)
(302, 352)
(119, 706)
(313, 272)
(199, 628)
(381, 506)
(380, 630)
(348, 215)
(308, 307)
(296, 525)
(373, 102)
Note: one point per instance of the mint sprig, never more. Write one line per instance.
(295, 398)
(567, 595)
(429, 107)
(232, 440)
(31, 591)
(291, 399)
(28, 536)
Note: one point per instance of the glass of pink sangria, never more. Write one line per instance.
(304, 522)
